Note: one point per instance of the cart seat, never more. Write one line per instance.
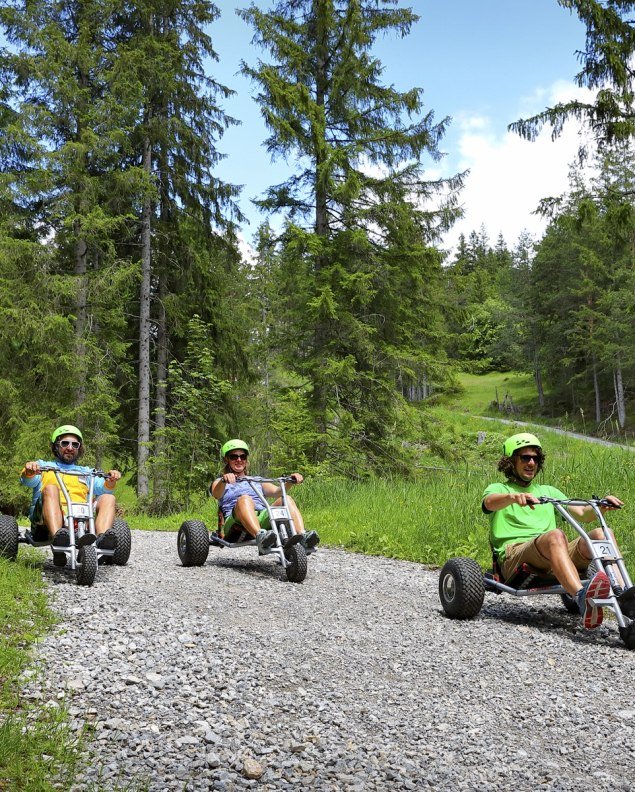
(524, 576)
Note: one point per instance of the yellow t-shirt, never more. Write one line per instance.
(77, 486)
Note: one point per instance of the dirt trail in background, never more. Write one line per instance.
(576, 435)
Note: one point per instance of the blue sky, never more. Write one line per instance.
(484, 63)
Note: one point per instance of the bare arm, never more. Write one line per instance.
(586, 514)
(271, 491)
(501, 500)
(217, 487)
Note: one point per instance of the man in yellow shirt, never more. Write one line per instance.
(47, 504)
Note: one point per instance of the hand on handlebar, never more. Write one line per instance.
(524, 499)
(296, 478)
(229, 478)
(610, 502)
(32, 469)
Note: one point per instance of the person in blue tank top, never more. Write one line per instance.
(243, 505)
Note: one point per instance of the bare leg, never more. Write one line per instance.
(51, 509)
(245, 514)
(553, 546)
(105, 507)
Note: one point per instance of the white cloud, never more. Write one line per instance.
(508, 175)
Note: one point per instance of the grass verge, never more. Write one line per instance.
(36, 746)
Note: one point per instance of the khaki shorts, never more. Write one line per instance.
(528, 553)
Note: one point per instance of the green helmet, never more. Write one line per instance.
(66, 429)
(231, 445)
(521, 440)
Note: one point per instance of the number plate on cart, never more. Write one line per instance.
(279, 514)
(605, 548)
(80, 510)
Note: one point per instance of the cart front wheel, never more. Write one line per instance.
(297, 563)
(461, 588)
(627, 634)
(86, 565)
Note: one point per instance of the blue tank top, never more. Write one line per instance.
(234, 491)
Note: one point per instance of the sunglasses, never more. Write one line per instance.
(529, 457)
(70, 443)
(236, 457)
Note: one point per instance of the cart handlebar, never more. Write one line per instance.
(264, 480)
(54, 469)
(594, 501)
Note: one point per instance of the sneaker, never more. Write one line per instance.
(627, 602)
(265, 539)
(61, 538)
(311, 539)
(107, 541)
(598, 587)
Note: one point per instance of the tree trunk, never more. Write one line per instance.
(80, 313)
(159, 483)
(538, 379)
(319, 397)
(596, 391)
(619, 396)
(143, 429)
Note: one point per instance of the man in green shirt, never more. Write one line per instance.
(523, 530)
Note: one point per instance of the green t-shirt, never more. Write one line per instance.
(517, 523)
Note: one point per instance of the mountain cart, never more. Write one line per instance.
(194, 539)
(462, 583)
(81, 554)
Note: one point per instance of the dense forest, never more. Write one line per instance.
(127, 308)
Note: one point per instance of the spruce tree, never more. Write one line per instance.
(358, 212)
(161, 49)
(607, 69)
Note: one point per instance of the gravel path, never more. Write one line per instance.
(195, 679)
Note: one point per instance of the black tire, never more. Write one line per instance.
(59, 559)
(297, 568)
(570, 603)
(9, 535)
(86, 565)
(193, 543)
(120, 557)
(461, 588)
(627, 634)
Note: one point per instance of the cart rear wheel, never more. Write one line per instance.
(193, 543)
(297, 568)
(9, 535)
(121, 530)
(461, 588)
(86, 565)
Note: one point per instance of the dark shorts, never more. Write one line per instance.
(528, 553)
(36, 516)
